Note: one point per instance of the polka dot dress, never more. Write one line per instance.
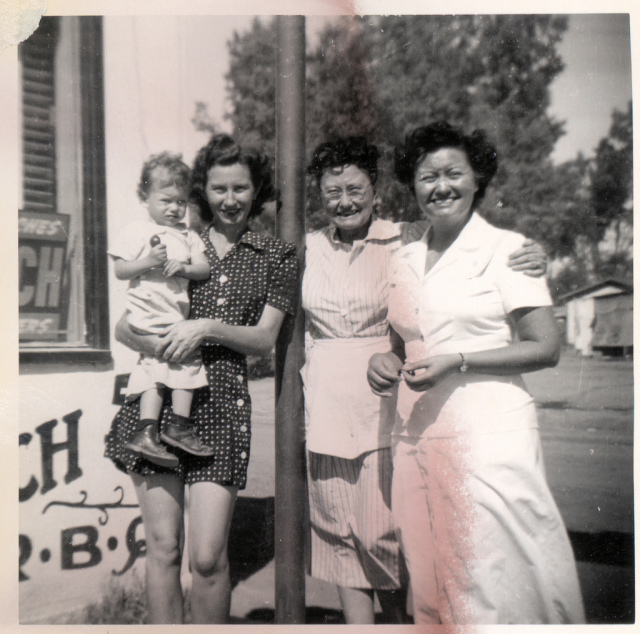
(258, 270)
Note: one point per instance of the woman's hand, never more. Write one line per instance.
(423, 375)
(530, 259)
(383, 372)
(182, 342)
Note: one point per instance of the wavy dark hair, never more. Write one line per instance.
(481, 153)
(178, 171)
(353, 150)
(223, 150)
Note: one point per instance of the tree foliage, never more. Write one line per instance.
(379, 76)
(202, 120)
(251, 86)
(612, 181)
(598, 224)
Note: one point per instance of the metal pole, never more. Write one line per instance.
(291, 492)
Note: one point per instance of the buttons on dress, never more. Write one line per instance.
(240, 402)
(240, 279)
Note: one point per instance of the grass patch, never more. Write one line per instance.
(121, 604)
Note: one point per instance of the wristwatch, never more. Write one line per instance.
(463, 366)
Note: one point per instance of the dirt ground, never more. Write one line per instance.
(585, 410)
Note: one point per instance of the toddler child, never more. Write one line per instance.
(159, 256)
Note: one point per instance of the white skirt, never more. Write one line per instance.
(482, 536)
(151, 373)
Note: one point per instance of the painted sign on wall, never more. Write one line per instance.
(80, 524)
(43, 239)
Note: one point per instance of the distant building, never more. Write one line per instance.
(599, 317)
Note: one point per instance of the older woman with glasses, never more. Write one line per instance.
(344, 295)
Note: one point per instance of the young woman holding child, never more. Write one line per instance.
(237, 311)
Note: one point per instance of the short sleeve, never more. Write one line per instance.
(518, 290)
(283, 283)
(130, 243)
(196, 244)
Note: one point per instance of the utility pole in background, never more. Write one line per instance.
(291, 490)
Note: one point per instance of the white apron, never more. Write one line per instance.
(343, 417)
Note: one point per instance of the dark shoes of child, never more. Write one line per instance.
(180, 433)
(146, 443)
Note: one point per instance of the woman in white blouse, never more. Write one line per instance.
(344, 295)
(483, 539)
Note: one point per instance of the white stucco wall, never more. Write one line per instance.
(150, 90)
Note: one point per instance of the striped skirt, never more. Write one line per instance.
(353, 541)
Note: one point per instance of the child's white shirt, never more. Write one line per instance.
(155, 302)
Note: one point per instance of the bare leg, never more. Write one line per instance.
(210, 511)
(151, 404)
(181, 402)
(357, 605)
(161, 499)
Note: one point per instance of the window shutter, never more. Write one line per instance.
(37, 54)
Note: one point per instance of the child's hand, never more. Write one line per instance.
(173, 267)
(158, 255)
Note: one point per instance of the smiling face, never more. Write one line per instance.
(230, 193)
(347, 195)
(166, 202)
(445, 185)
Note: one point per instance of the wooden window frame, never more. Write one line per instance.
(94, 211)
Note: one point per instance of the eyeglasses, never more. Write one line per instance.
(356, 194)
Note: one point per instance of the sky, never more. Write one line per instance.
(596, 78)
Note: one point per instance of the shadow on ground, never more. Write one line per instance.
(607, 575)
(607, 547)
(251, 539)
(314, 616)
(605, 565)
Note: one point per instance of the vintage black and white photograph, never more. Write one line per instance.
(263, 376)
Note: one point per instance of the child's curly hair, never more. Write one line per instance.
(177, 170)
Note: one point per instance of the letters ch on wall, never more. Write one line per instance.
(79, 546)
